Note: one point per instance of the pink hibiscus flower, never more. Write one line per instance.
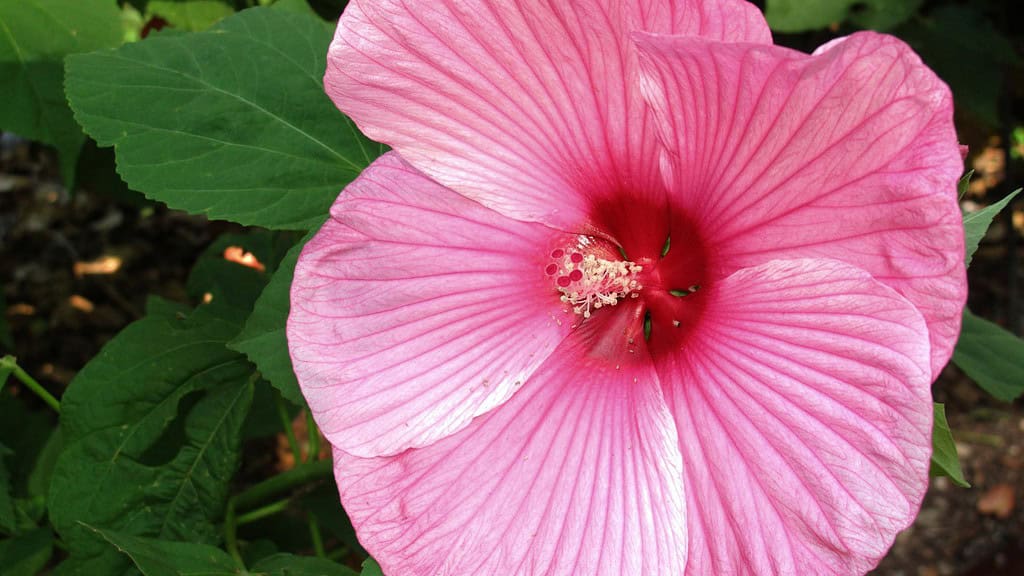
(638, 292)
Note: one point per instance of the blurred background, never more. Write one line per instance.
(79, 257)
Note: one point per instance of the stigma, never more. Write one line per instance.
(588, 282)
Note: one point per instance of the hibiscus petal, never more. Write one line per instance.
(415, 309)
(578, 474)
(850, 154)
(531, 107)
(804, 418)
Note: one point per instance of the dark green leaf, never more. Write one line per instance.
(371, 568)
(6, 341)
(35, 35)
(291, 565)
(263, 338)
(7, 519)
(991, 356)
(945, 461)
(977, 223)
(42, 472)
(229, 282)
(232, 122)
(962, 46)
(192, 15)
(803, 15)
(153, 424)
(163, 558)
(26, 554)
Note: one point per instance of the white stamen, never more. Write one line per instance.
(599, 282)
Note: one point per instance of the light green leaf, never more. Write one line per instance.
(977, 223)
(232, 122)
(35, 36)
(263, 339)
(164, 558)
(803, 15)
(294, 6)
(371, 568)
(192, 15)
(7, 518)
(291, 565)
(153, 427)
(991, 356)
(964, 185)
(945, 461)
(26, 554)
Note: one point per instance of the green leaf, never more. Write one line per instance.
(291, 565)
(232, 122)
(964, 185)
(26, 554)
(371, 568)
(192, 15)
(294, 6)
(230, 282)
(991, 356)
(153, 425)
(977, 223)
(959, 42)
(7, 518)
(164, 558)
(35, 35)
(945, 461)
(263, 339)
(803, 15)
(42, 472)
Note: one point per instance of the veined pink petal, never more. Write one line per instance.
(578, 474)
(848, 154)
(804, 417)
(530, 107)
(415, 309)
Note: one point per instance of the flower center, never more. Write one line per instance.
(588, 281)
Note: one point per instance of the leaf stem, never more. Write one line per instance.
(252, 497)
(314, 535)
(10, 363)
(262, 512)
(314, 438)
(286, 423)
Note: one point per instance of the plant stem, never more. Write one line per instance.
(263, 512)
(286, 423)
(9, 363)
(301, 474)
(314, 535)
(313, 433)
(252, 497)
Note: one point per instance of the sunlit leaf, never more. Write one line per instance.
(976, 225)
(232, 122)
(35, 36)
(803, 15)
(190, 15)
